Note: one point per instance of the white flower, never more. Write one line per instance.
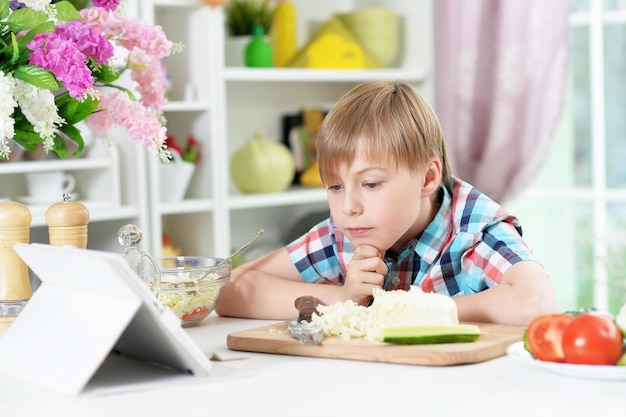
(37, 4)
(40, 110)
(7, 104)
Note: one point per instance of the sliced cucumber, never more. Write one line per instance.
(525, 340)
(414, 335)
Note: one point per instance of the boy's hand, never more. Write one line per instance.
(366, 271)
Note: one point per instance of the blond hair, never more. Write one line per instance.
(387, 120)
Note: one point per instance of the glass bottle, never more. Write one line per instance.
(258, 52)
(142, 263)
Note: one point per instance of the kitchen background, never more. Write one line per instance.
(572, 209)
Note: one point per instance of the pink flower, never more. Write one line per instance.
(106, 4)
(140, 123)
(149, 75)
(100, 122)
(87, 39)
(128, 32)
(61, 57)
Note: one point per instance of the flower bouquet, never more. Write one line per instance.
(57, 69)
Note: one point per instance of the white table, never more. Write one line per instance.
(277, 385)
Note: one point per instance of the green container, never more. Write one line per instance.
(258, 52)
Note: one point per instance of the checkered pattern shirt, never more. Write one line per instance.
(467, 248)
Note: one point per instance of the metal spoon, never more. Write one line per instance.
(232, 255)
(241, 249)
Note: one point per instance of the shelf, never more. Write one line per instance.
(98, 211)
(54, 165)
(296, 195)
(323, 76)
(181, 106)
(198, 205)
(178, 3)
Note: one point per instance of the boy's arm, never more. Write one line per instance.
(524, 293)
(266, 288)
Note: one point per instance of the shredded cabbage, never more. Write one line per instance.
(341, 319)
(396, 308)
(183, 297)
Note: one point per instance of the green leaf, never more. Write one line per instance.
(242, 15)
(73, 110)
(129, 93)
(66, 105)
(20, 44)
(16, 49)
(75, 135)
(66, 11)
(24, 142)
(46, 27)
(25, 19)
(24, 133)
(36, 76)
(59, 146)
(4, 9)
(78, 4)
(106, 74)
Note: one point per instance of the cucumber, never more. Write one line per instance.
(414, 335)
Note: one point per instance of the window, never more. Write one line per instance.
(574, 215)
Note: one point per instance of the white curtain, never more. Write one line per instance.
(501, 71)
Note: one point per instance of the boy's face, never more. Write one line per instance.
(377, 205)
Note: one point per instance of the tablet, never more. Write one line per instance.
(90, 313)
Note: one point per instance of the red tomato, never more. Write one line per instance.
(593, 339)
(544, 336)
(194, 314)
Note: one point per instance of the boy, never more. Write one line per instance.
(397, 218)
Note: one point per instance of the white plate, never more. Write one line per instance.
(27, 199)
(517, 351)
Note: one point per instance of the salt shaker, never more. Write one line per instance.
(15, 288)
(67, 223)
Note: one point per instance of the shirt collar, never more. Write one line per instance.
(429, 244)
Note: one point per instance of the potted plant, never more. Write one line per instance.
(175, 176)
(241, 17)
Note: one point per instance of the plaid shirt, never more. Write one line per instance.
(467, 248)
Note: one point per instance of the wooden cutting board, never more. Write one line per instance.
(492, 343)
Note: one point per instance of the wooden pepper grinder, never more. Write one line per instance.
(15, 288)
(67, 223)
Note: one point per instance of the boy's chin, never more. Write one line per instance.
(356, 242)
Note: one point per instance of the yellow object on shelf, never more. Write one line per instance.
(377, 31)
(169, 247)
(332, 51)
(311, 176)
(283, 33)
(334, 46)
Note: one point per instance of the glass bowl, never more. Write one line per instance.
(191, 285)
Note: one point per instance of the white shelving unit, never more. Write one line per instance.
(191, 110)
(224, 106)
(97, 181)
(99, 187)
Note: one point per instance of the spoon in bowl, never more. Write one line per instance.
(232, 255)
(241, 249)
